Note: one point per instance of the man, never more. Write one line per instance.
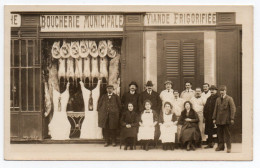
(198, 105)
(167, 94)
(150, 94)
(177, 108)
(223, 116)
(109, 107)
(208, 113)
(188, 93)
(131, 96)
(206, 93)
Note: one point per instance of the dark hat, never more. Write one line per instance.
(133, 83)
(110, 86)
(149, 83)
(213, 87)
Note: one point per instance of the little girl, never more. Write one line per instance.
(168, 126)
(148, 121)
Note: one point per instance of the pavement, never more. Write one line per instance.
(99, 152)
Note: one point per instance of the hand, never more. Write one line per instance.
(128, 126)
(46, 114)
(214, 121)
(187, 119)
(68, 85)
(232, 122)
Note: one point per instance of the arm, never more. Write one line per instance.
(135, 123)
(155, 118)
(196, 119)
(215, 110)
(232, 108)
(118, 101)
(122, 120)
(159, 103)
(161, 118)
(181, 120)
(100, 100)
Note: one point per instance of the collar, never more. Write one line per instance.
(197, 97)
(224, 96)
(170, 91)
(206, 92)
(110, 94)
(146, 111)
(132, 92)
(149, 91)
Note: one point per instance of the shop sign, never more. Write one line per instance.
(15, 20)
(84, 23)
(171, 19)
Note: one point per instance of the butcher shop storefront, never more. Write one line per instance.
(64, 61)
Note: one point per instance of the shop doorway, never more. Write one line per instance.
(180, 59)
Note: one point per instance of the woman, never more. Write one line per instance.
(168, 126)
(190, 132)
(129, 123)
(148, 122)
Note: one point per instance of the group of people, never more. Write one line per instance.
(176, 121)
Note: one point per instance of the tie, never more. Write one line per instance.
(221, 99)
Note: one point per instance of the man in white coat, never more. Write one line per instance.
(167, 94)
(206, 93)
(198, 105)
(188, 93)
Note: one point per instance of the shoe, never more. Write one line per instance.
(125, 148)
(219, 149)
(209, 146)
(228, 150)
(131, 148)
(188, 147)
(147, 147)
(113, 144)
(106, 144)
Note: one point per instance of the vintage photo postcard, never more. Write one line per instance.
(128, 83)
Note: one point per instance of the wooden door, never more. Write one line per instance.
(25, 88)
(180, 59)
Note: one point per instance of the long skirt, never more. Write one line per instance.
(168, 133)
(89, 128)
(59, 126)
(128, 132)
(146, 133)
(190, 132)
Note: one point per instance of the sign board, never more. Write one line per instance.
(15, 20)
(171, 19)
(83, 23)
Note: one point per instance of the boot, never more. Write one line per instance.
(164, 147)
(188, 146)
(192, 147)
(219, 148)
(106, 143)
(172, 146)
(147, 145)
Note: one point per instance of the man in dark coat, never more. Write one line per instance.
(150, 94)
(223, 116)
(109, 107)
(131, 97)
(208, 114)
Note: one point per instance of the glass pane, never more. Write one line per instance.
(30, 90)
(23, 56)
(24, 89)
(12, 52)
(15, 90)
(16, 53)
(37, 89)
(30, 53)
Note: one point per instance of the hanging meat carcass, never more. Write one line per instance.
(93, 49)
(94, 70)
(102, 48)
(78, 68)
(70, 69)
(114, 72)
(103, 68)
(84, 49)
(110, 51)
(65, 50)
(62, 69)
(74, 49)
(55, 50)
(86, 71)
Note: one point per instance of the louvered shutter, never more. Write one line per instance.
(172, 52)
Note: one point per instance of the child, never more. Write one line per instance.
(148, 121)
(129, 123)
(168, 126)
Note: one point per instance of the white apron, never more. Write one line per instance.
(168, 133)
(146, 132)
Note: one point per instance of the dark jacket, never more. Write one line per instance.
(154, 98)
(224, 111)
(192, 115)
(208, 114)
(129, 117)
(128, 97)
(109, 110)
(161, 120)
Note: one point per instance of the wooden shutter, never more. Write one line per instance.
(189, 56)
(172, 54)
